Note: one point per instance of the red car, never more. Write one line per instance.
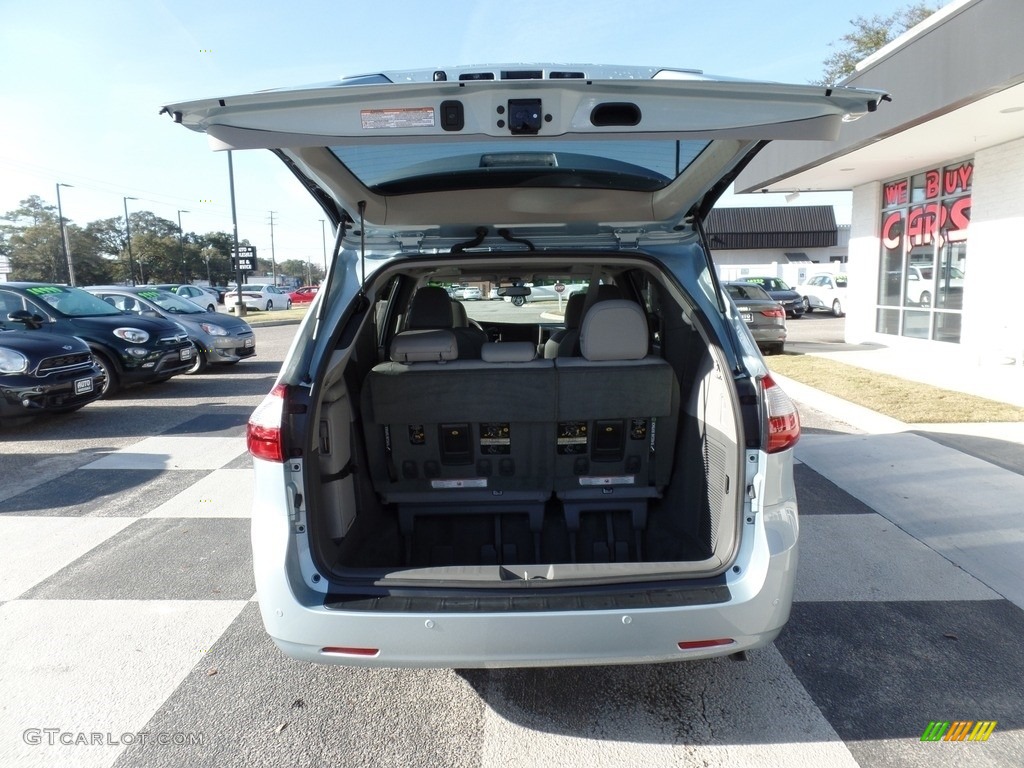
(304, 295)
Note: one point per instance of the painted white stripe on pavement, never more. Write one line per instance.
(85, 667)
(964, 508)
(34, 548)
(174, 453)
(222, 493)
(866, 557)
(753, 713)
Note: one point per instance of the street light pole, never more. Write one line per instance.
(64, 237)
(273, 258)
(128, 232)
(181, 240)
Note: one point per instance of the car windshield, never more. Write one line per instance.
(424, 167)
(73, 302)
(172, 302)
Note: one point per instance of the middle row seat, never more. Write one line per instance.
(507, 432)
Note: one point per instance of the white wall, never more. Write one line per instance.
(993, 322)
(863, 264)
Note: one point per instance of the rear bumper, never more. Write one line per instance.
(757, 606)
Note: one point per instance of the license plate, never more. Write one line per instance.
(747, 317)
(82, 386)
(186, 354)
(250, 343)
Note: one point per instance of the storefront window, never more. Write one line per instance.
(924, 253)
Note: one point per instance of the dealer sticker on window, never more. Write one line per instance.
(412, 117)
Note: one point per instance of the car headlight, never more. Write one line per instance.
(12, 361)
(213, 330)
(132, 335)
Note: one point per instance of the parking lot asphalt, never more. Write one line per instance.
(132, 634)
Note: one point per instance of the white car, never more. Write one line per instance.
(207, 298)
(824, 290)
(468, 293)
(261, 297)
(433, 493)
(921, 288)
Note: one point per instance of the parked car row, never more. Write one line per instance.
(62, 347)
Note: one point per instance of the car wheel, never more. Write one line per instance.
(926, 299)
(288, 305)
(211, 307)
(807, 305)
(270, 305)
(837, 308)
(112, 382)
(198, 364)
(518, 300)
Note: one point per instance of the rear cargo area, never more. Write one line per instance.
(428, 462)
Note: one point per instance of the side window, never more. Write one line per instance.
(10, 302)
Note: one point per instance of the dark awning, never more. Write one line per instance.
(805, 226)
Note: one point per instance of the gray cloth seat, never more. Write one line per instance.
(618, 409)
(432, 309)
(448, 436)
(565, 342)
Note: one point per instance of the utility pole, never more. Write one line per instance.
(181, 240)
(64, 237)
(273, 259)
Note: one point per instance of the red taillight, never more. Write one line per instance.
(776, 312)
(688, 645)
(783, 417)
(263, 433)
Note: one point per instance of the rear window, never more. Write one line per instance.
(420, 167)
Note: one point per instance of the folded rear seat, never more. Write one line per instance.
(454, 437)
(617, 412)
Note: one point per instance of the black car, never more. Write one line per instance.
(791, 301)
(131, 349)
(44, 373)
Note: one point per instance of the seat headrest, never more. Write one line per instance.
(431, 307)
(459, 317)
(424, 346)
(574, 310)
(508, 351)
(614, 330)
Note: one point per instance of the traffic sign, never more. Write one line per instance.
(559, 287)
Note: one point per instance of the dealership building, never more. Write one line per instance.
(937, 176)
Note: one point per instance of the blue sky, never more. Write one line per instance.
(81, 84)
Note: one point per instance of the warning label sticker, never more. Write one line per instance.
(412, 117)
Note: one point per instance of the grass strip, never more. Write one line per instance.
(909, 401)
(294, 314)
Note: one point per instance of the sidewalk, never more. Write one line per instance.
(957, 490)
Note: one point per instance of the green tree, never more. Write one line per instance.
(305, 272)
(32, 239)
(868, 35)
